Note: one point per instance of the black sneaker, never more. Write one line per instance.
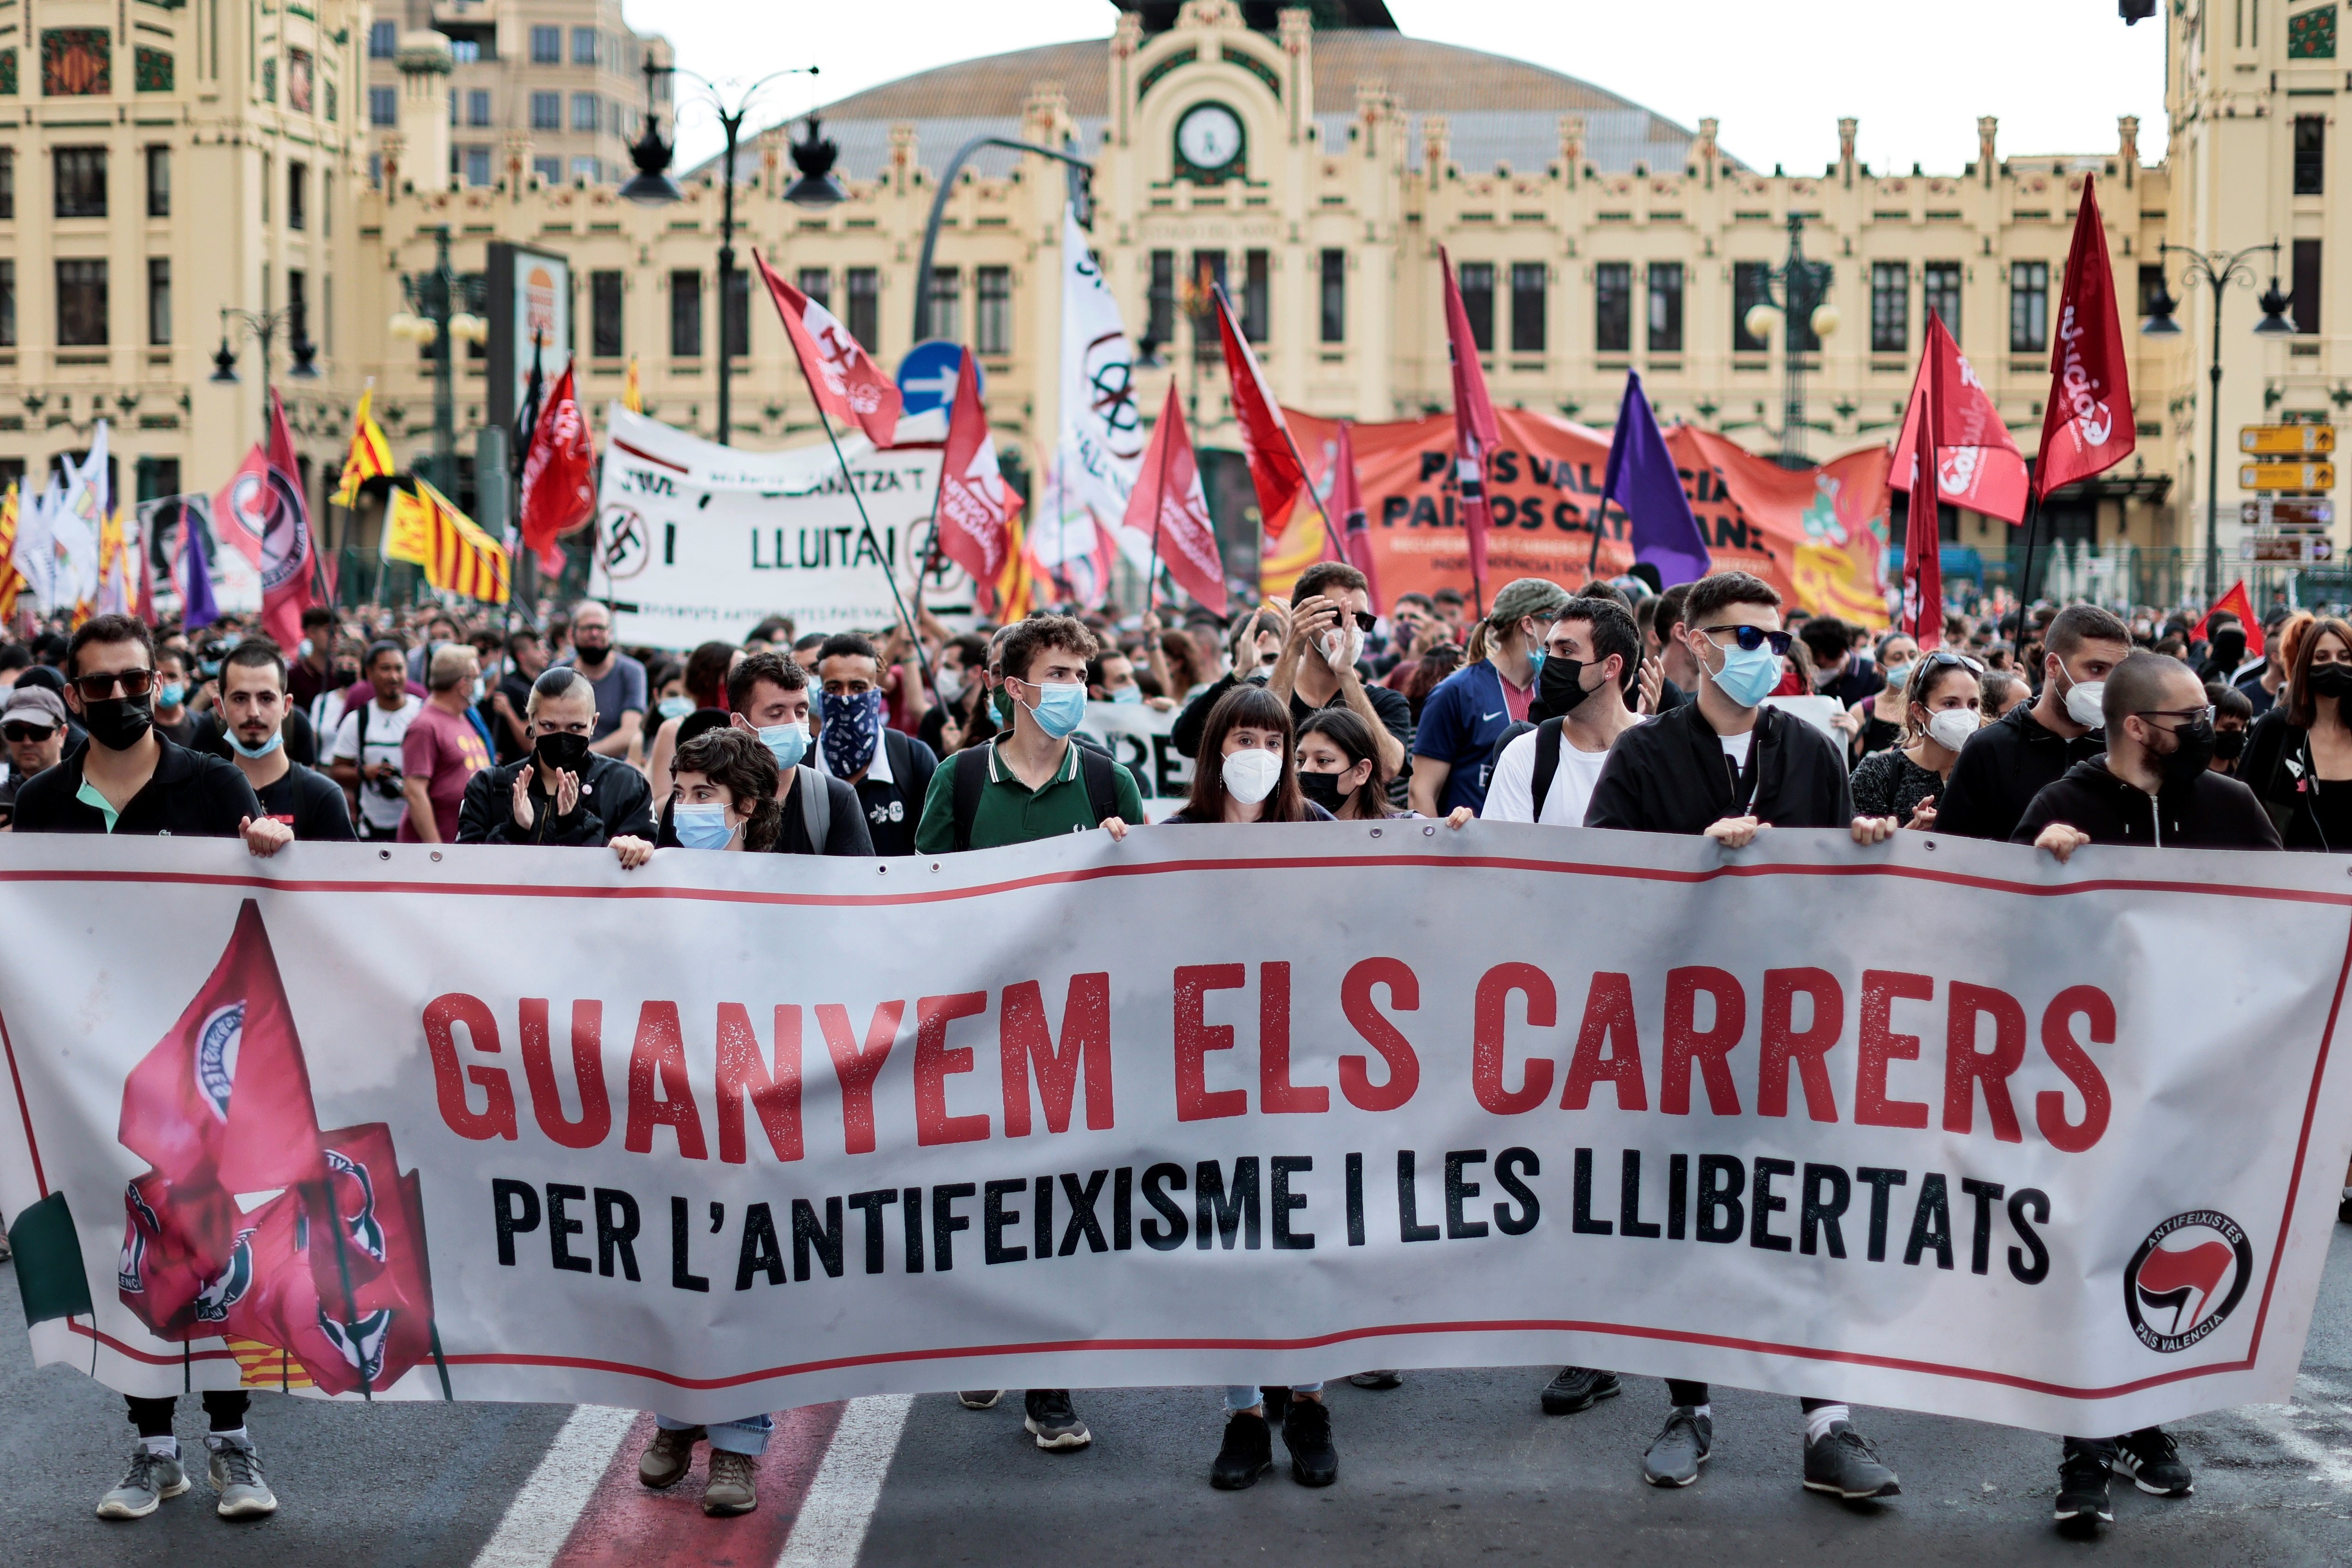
(1052, 1421)
(1579, 1388)
(2082, 1489)
(1844, 1464)
(1679, 1449)
(1387, 1378)
(1246, 1454)
(2152, 1459)
(2344, 1210)
(1306, 1433)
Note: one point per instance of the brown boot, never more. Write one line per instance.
(731, 1489)
(667, 1457)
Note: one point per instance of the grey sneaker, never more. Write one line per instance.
(1679, 1449)
(669, 1456)
(235, 1471)
(731, 1488)
(1844, 1464)
(1052, 1422)
(979, 1398)
(150, 1479)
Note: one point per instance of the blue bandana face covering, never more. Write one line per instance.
(853, 727)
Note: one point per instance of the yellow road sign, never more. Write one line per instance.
(2286, 475)
(2286, 440)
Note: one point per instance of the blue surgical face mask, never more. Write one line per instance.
(276, 738)
(1124, 694)
(1060, 707)
(788, 743)
(169, 694)
(675, 707)
(1748, 675)
(701, 827)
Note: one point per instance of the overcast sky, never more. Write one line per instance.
(2057, 73)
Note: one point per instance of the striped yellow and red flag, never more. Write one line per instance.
(371, 456)
(267, 1366)
(426, 529)
(633, 397)
(11, 580)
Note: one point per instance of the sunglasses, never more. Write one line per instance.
(1366, 621)
(1945, 658)
(21, 733)
(1751, 638)
(99, 688)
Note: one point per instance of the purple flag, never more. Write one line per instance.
(197, 607)
(1642, 479)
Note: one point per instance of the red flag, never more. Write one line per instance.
(1355, 527)
(2086, 426)
(1169, 505)
(1274, 468)
(1923, 544)
(1477, 431)
(2239, 603)
(271, 1292)
(1980, 468)
(842, 376)
(174, 1243)
(241, 510)
(361, 1191)
(972, 525)
(559, 486)
(226, 1096)
(285, 563)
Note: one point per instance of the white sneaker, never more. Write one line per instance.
(150, 1479)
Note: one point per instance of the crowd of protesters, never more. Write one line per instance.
(1613, 707)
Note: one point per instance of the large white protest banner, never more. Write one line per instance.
(1212, 1105)
(697, 542)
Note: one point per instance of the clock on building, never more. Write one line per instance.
(1209, 144)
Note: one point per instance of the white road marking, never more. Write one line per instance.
(540, 1517)
(2277, 1421)
(831, 1530)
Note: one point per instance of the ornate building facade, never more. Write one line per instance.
(1312, 159)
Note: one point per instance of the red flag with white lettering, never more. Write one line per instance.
(973, 526)
(1274, 464)
(1347, 506)
(1477, 431)
(1167, 505)
(1923, 542)
(842, 376)
(1978, 465)
(2086, 426)
(559, 477)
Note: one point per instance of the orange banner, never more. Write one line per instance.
(1819, 535)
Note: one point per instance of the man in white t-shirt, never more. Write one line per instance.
(1590, 661)
(367, 749)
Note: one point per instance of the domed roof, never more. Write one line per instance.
(1496, 109)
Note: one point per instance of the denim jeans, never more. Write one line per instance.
(748, 1436)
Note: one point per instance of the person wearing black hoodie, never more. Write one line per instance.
(2153, 787)
(2006, 763)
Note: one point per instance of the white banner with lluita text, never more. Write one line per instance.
(2052, 1146)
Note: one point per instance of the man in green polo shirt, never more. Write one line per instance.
(1032, 782)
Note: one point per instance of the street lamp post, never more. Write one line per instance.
(2218, 269)
(261, 327)
(1803, 296)
(653, 187)
(440, 311)
(1080, 168)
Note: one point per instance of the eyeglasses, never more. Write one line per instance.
(21, 733)
(1366, 621)
(1751, 638)
(2188, 716)
(99, 688)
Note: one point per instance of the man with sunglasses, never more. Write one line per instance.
(2154, 789)
(2006, 764)
(1330, 613)
(34, 726)
(1726, 766)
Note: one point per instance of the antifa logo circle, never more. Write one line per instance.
(267, 506)
(625, 542)
(2187, 1279)
(1110, 371)
(216, 1047)
(228, 1288)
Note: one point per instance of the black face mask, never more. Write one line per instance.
(2331, 680)
(2192, 756)
(1323, 789)
(1559, 686)
(569, 752)
(117, 722)
(2229, 745)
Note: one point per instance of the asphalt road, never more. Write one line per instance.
(1454, 1468)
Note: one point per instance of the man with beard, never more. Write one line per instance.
(254, 706)
(560, 791)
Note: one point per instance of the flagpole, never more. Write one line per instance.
(2025, 577)
(1159, 509)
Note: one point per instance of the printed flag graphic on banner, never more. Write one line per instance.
(226, 1096)
(1170, 510)
(2087, 426)
(283, 1287)
(1979, 466)
(1477, 431)
(846, 382)
(975, 502)
(175, 1240)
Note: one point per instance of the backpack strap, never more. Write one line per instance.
(971, 778)
(817, 807)
(1548, 743)
(1102, 784)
